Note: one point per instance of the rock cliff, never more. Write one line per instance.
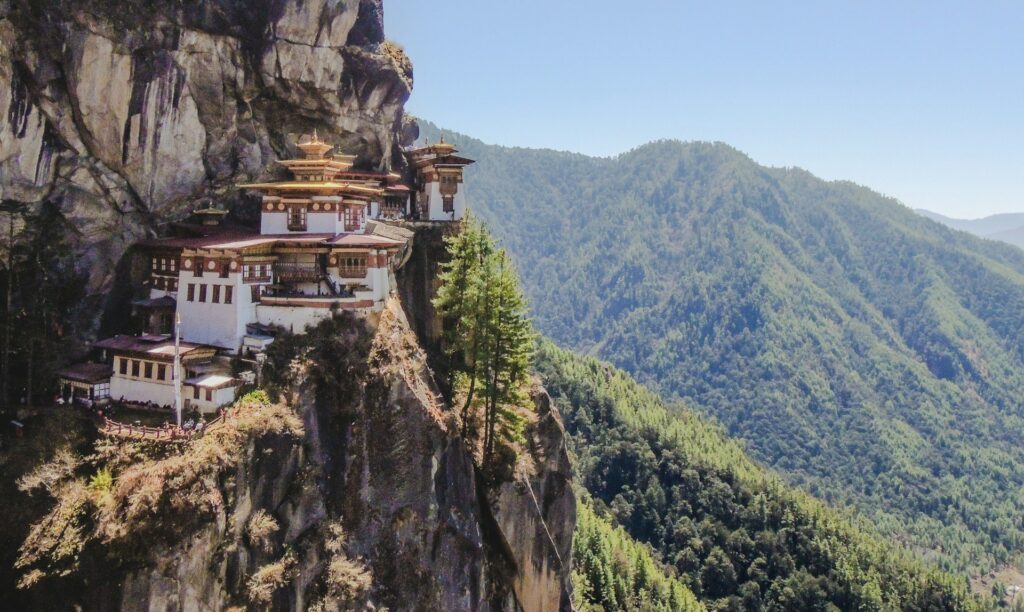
(374, 502)
(123, 115)
(126, 113)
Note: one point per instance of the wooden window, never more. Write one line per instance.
(124, 366)
(449, 203)
(202, 293)
(216, 294)
(195, 392)
(225, 269)
(135, 368)
(297, 218)
(255, 289)
(209, 395)
(228, 291)
(198, 265)
(191, 292)
(353, 266)
(353, 218)
(147, 370)
(161, 372)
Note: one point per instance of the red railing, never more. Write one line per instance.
(159, 434)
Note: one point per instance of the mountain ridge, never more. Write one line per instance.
(1004, 227)
(870, 355)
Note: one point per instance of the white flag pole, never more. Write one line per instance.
(177, 368)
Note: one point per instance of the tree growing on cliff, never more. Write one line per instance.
(488, 336)
(459, 299)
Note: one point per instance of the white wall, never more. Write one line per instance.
(375, 278)
(273, 223)
(436, 211)
(316, 223)
(135, 390)
(221, 397)
(218, 324)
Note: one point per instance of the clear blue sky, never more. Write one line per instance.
(923, 101)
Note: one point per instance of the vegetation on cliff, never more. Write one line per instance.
(132, 495)
(871, 356)
(738, 537)
(488, 338)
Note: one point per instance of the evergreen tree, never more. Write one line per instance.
(488, 337)
(510, 339)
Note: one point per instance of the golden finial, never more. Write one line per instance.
(315, 148)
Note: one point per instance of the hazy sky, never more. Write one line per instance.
(923, 101)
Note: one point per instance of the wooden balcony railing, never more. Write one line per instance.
(297, 272)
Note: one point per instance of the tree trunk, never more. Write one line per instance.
(5, 395)
(28, 373)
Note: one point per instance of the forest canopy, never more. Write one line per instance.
(869, 355)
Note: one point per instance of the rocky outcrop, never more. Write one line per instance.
(125, 113)
(536, 513)
(378, 504)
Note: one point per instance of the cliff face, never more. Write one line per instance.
(121, 115)
(384, 465)
(124, 113)
(375, 503)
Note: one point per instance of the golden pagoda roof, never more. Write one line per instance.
(314, 186)
(210, 210)
(314, 148)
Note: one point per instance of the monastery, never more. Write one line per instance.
(326, 242)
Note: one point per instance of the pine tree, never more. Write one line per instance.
(489, 338)
(460, 300)
(511, 342)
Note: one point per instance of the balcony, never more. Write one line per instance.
(297, 273)
(352, 271)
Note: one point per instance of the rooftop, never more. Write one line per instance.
(89, 373)
(160, 302)
(159, 347)
(314, 186)
(212, 381)
(252, 239)
(444, 160)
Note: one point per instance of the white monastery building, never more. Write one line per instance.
(323, 245)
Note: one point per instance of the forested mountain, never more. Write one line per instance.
(1007, 227)
(873, 357)
(612, 571)
(737, 536)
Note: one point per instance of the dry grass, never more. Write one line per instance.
(398, 57)
(142, 492)
(47, 476)
(261, 530)
(269, 578)
(347, 580)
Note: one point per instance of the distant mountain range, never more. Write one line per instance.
(870, 355)
(1007, 227)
